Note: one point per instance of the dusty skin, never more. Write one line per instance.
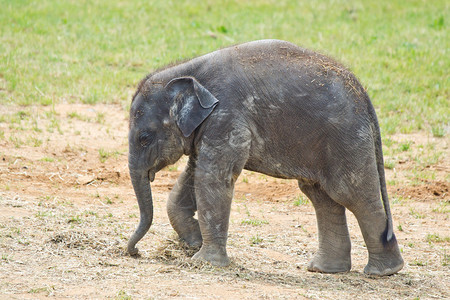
(67, 209)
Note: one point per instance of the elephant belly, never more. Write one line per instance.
(281, 167)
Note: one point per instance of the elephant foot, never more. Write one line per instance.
(327, 264)
(215, 255)
(385, 261)
(188, 230)
(383, 265)
(193, 240)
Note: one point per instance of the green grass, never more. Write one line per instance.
(105, 154)
(435, 238)
(77, 116)
(96, 52)
(301, 200)
(443, 207)
(416, 214)
(74, 219)
(255, 240)
(47, 290)
(254, 222)
(122, 295)
(405, 146)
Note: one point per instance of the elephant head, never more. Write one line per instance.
(162, 120)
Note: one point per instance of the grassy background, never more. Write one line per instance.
(97, 51)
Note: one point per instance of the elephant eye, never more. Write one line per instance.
(146, 138)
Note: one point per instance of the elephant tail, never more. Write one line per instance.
(388, 235)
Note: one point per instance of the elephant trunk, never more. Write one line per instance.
(141, 186)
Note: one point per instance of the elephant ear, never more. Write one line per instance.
(192, 103)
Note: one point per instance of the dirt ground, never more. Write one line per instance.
(67, 209)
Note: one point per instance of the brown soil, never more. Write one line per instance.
(66, 213)
(428, 190)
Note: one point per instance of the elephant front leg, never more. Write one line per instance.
(181, 208)
(214, 203)
(221, 158)
(334, 240)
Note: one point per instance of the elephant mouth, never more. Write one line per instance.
(151, 175)
(156, 169)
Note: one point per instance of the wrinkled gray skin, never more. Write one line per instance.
(270, 107)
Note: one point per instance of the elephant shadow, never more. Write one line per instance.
(176, 255)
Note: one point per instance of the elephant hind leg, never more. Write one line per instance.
(181, 208)
(363, 200)
(384, 256)
(333, 255)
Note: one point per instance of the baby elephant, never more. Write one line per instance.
(271, 107)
